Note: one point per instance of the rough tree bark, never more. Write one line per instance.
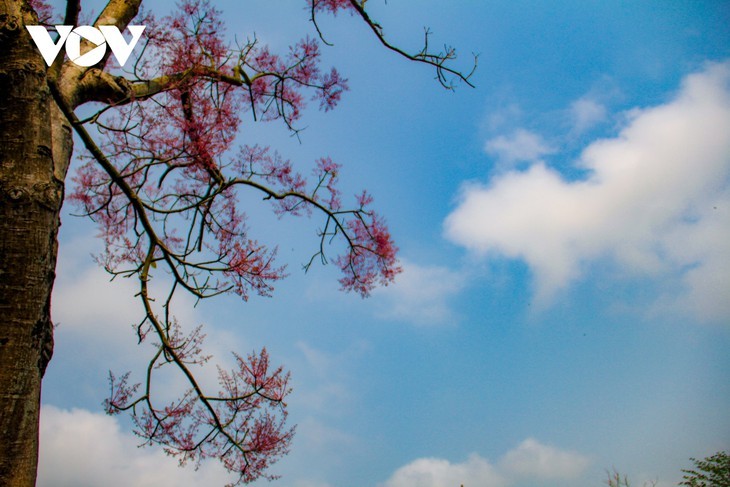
(31, 193)
(35, 152)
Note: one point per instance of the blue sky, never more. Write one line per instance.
(565, 234)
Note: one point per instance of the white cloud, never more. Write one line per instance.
(95, 318)
(436, 472)
(535, 460)
(656, 201)
(531, 459)
(84, 449)
(421, 294)
(520, 146)
(89, 303)
(585, 113)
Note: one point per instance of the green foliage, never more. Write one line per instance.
(713, 471)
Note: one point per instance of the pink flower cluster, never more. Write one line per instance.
(372, 257)
(244, 426)
(331, 6)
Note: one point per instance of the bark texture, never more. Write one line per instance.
(35, 153)
(31, 194)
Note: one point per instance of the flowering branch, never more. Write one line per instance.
(164, 187)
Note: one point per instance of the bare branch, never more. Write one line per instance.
(437, 60)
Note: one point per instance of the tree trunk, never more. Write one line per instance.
(31, 194)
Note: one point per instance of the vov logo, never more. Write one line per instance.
(105, 34)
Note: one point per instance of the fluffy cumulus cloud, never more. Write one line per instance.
(84, 449)
(109, 308)
(655, 200)
(436, 472)
(541, 464)
(421, 294)
(534, 460)
(520, 146)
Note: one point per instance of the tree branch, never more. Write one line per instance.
(73, 8)
(436, 60)
(118, 13)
